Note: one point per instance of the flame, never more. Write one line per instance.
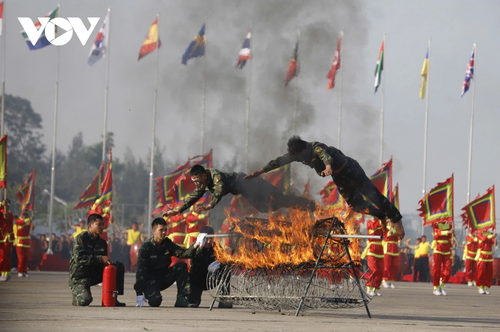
(289, 239)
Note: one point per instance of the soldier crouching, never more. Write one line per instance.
(90, 256)
(153, 273)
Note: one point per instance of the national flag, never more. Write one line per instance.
(480, 213)
(424, 72)
(279, 177)
(335, 66)
(382, 179)
(152, 41)
(469, 74)
(395, 196)
(1, 17)
(3, 162)
(107, 184)
(42, 40)
(437, 205)
(100, 45)
(26, 194)
(196, 48)
(245, 53)
(166, 185)
(330, 195)
(380, 66)
(184, 184)
(294, 67)
(92, 192)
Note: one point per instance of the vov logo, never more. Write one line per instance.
(49, 25)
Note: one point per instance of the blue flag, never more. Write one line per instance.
(196, 48)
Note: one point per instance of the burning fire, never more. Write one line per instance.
(289, 239)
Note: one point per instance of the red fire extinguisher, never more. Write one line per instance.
(109, 286)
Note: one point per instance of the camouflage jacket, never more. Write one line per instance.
(86, 257)
(317, 156)
(219, 184)
(153, 261)
(199, 265)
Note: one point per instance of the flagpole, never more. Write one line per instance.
(296, 92)
(3, 72)
(249, 83)
(151, 164)
(54, 135)
(426, 122)
(471, 126)
(339, 129)
(203, 92)
(106, 90)
(382, 110)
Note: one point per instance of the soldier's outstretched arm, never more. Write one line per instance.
(273, 164)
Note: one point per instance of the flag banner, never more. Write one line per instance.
(1, 17)
(380, 66)
(152, 41)
(469, 74)
(92, 192)
(196, 48)
(245, 54)
(331, 196)
(294, 67)
(184, 184)
(279, 177)
(107, 184)
(382, 179)
(26, 194)
(437, 205)
(42, 40)
(424, 72)
(166, 184)
(3, 162)
(480, 213)
(395, 196)
(335, 66)
(100, 45)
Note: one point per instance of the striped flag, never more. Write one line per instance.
(294, 67)
(152, 41)
(335, 66)
(100, 45)
(3, 162)
(42, 40)
(1, 17)
(469, 74)
(380, 66)
(425, 71)
(245, 54)
(92, 192)
(107, 184)
(26, 194)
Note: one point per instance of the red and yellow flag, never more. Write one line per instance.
(3, 162)
(26, 194)
(437, 205)
(152, 41)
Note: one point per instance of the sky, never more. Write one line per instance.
(453, 27)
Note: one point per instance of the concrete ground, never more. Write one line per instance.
(43, 303)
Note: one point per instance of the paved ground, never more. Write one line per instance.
(43, 303)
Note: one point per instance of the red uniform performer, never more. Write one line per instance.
(443, 235)
(23, 226)
(6, 239)
(375, 259)
(391, 257)
(470, 259)
(484, 260)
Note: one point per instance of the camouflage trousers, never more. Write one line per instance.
(151, 288)
(361, 194)
(80, 288)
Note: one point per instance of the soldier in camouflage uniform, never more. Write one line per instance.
(200, 265)
(350, 178)
(89, 257)
(153, 273)
(261, 194)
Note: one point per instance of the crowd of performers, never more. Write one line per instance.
(155, 271)
(383, 258)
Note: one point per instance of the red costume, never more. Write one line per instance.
(6, 241)
(194, 221)
(443, 235)
(484, 259)
(470, 257)
(391, 254)
(177, 229)
(23, 226)
(375, 255)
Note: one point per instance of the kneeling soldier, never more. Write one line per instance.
(153, 273)
(90, 256)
